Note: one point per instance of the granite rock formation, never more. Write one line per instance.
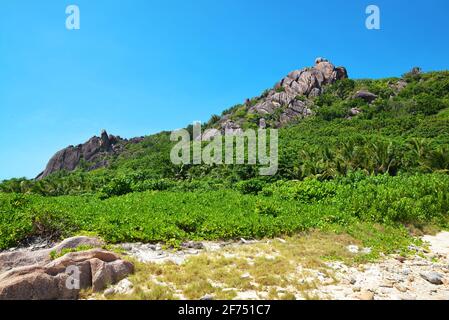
(94, 153)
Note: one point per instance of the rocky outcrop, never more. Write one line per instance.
(292, 91)
(21, 258)
(94, 153)
(398, 86)
(290, 97)
(365, 95)
(45, 279)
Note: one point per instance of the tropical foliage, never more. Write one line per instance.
(384, 168)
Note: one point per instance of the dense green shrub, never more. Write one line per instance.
(427, 104)
(117, 187)
(266, 208)
(307, 191)
(253, 186)
(332, 112)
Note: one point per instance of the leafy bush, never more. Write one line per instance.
(253, 186)
(117, 187)
(307, 191)
(330, 113)
(427, 104)
(266, 208)
(51, 223)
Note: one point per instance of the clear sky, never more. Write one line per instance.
(137, 67)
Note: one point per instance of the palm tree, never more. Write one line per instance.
(384, 157)
(438, 159)
(419, 149)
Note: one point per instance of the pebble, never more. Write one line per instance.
(387, 284)
(245, 276)
(109, 292)
(409, 297)
(127, 246)
(365, 295)
(366, 250)
(414, 248)
(123, 287)
(406, 272)
(193, 245)
(433, 277)
(151, 247)
(400, 288)
(353, 249)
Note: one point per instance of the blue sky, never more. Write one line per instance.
(137, 67)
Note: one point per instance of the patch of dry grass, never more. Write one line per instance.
(264, 267)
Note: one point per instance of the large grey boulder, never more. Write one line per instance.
(231, 128)
(365, 95)
(20, 258)
(16, 259)
(46, 279)
(106, 273)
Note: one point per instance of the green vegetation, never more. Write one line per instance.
(375, 176)
(280, 208)
(55, 254)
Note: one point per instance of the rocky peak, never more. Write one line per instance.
(290, 97)
(106, 144)
(94, 152)
(306, 82)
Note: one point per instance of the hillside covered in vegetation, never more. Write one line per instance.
(371, 159)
